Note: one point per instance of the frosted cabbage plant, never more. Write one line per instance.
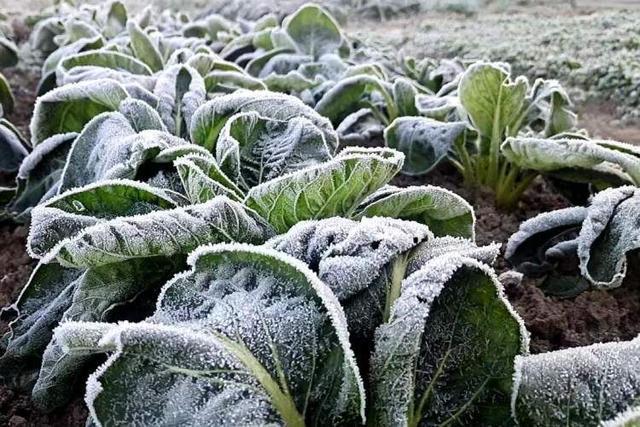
(298, 331)
(579, 247)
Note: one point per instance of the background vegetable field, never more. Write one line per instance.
(402, 213)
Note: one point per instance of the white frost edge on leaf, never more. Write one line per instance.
(449, 264)
(434, 188)
(112, 340)
(330, 301)
(46, 259)
(73, 88)
(102, 117)
(42, 149)
(544, 222)
(349, 153)
(604, 203)
(519, 362)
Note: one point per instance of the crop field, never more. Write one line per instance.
(376, 213)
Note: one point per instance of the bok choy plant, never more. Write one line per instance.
(489, 107)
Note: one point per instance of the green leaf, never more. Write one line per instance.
(446, 355)
(424, 142)
(286, 354)
(444, 212)
(180, 90)
(252, 149)
(494, 103)
(559, 156)
(203, 180)
(609, 232)
(40, 306)
(116, 19)
(143, 48)
(583, 386)
(12, 148)
(8, 53)
(333, 188)
(69, 108)
(94, 242)
(222, 81)
(314, 31)
(351, 94)
(292, 82)
(39, 175)
(7, 100)
(109, 148)
(210, 118)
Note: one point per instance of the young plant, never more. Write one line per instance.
(497, 108)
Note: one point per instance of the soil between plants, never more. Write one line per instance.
(593, 316)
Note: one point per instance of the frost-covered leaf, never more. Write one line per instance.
(73, 346)
(141, 115)
(99, 64)
(180, 90)
(40, 306)
(203, 180)
(361, 261)
(252, 149)
(424, 142)
(210, 118)
(404, 95)
(12, 148)
(538, 244)
(351, 94)
(333, 188)
(583, 386)
(89, 241)
(314, 31)
(597, 239)
(143, 48)
(229, 81)
(99, 291)
(571, 157)
(494, 103)
(279, 329)
(39, 175)
(360, 128)
(609, 232)
(444, 212)
(48, 80)
(66, 215)
(110, 148)
(437, 107)
(7, 100)
(446, 354)
(69, 108)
